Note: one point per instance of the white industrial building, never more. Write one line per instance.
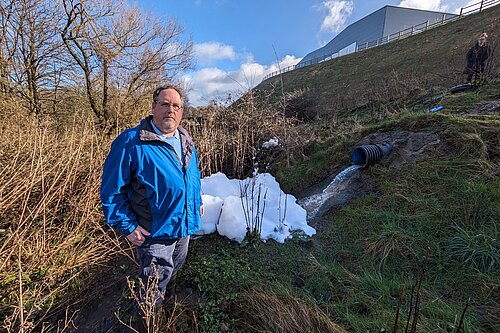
(382, 26)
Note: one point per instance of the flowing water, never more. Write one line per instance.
(314, 203)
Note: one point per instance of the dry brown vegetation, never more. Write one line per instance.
(50, 217)
(229, 138)
(72, 75)
(261, 311)
(52, 229)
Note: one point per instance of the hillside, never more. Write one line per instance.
(414, 237)
(415, 67)
(426, 216)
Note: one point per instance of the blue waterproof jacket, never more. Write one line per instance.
(145, 183)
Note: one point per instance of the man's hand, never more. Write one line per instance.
(202, 210)
(137, 236)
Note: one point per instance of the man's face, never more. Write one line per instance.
(165, 118)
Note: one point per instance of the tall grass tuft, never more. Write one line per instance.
(476, 250)
(391, 240)
(263, 311)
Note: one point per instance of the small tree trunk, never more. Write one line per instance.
(105, 110)
(36, 106)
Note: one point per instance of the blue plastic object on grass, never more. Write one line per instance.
(436, 108)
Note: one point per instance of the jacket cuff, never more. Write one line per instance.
(127, 230)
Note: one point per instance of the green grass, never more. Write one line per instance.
(317, 161)
(376, 74)
(366, 254)
(445, 206)
(360, 291)
(476, 249)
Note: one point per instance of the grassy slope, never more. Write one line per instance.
(426, 65)
(367, 253)
(435, 57)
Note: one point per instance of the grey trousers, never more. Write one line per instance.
(160, 260)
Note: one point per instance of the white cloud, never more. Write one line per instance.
(208, 53)
(212, 83)
(423, 4)
(338, 13)
(450, 6)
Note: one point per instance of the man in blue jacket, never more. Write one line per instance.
(151, 189)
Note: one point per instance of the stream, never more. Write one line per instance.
(320, 202)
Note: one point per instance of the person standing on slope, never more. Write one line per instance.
(476, 59)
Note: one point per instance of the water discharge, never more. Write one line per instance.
(314, 203)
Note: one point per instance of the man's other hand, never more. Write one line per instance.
(137, 236)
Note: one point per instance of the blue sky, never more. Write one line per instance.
(235, 40)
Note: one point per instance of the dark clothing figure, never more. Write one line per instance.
(476, 58)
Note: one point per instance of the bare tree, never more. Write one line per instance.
(29, 44)
(121, 48)
(122, 52)
(164, 55)
(76, 37)
(8, 42)
(38, 44)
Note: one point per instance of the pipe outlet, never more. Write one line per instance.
(367, 155)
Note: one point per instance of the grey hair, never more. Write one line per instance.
(179, 90)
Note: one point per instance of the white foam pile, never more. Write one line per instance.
(231, 205)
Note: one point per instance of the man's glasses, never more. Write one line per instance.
(175, 107)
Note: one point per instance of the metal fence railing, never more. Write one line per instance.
(474, 8)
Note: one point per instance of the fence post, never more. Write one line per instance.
(366, 45)
(426, 24)
(442, 18)
(481, 6)
(412, 29)
(461, 11)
